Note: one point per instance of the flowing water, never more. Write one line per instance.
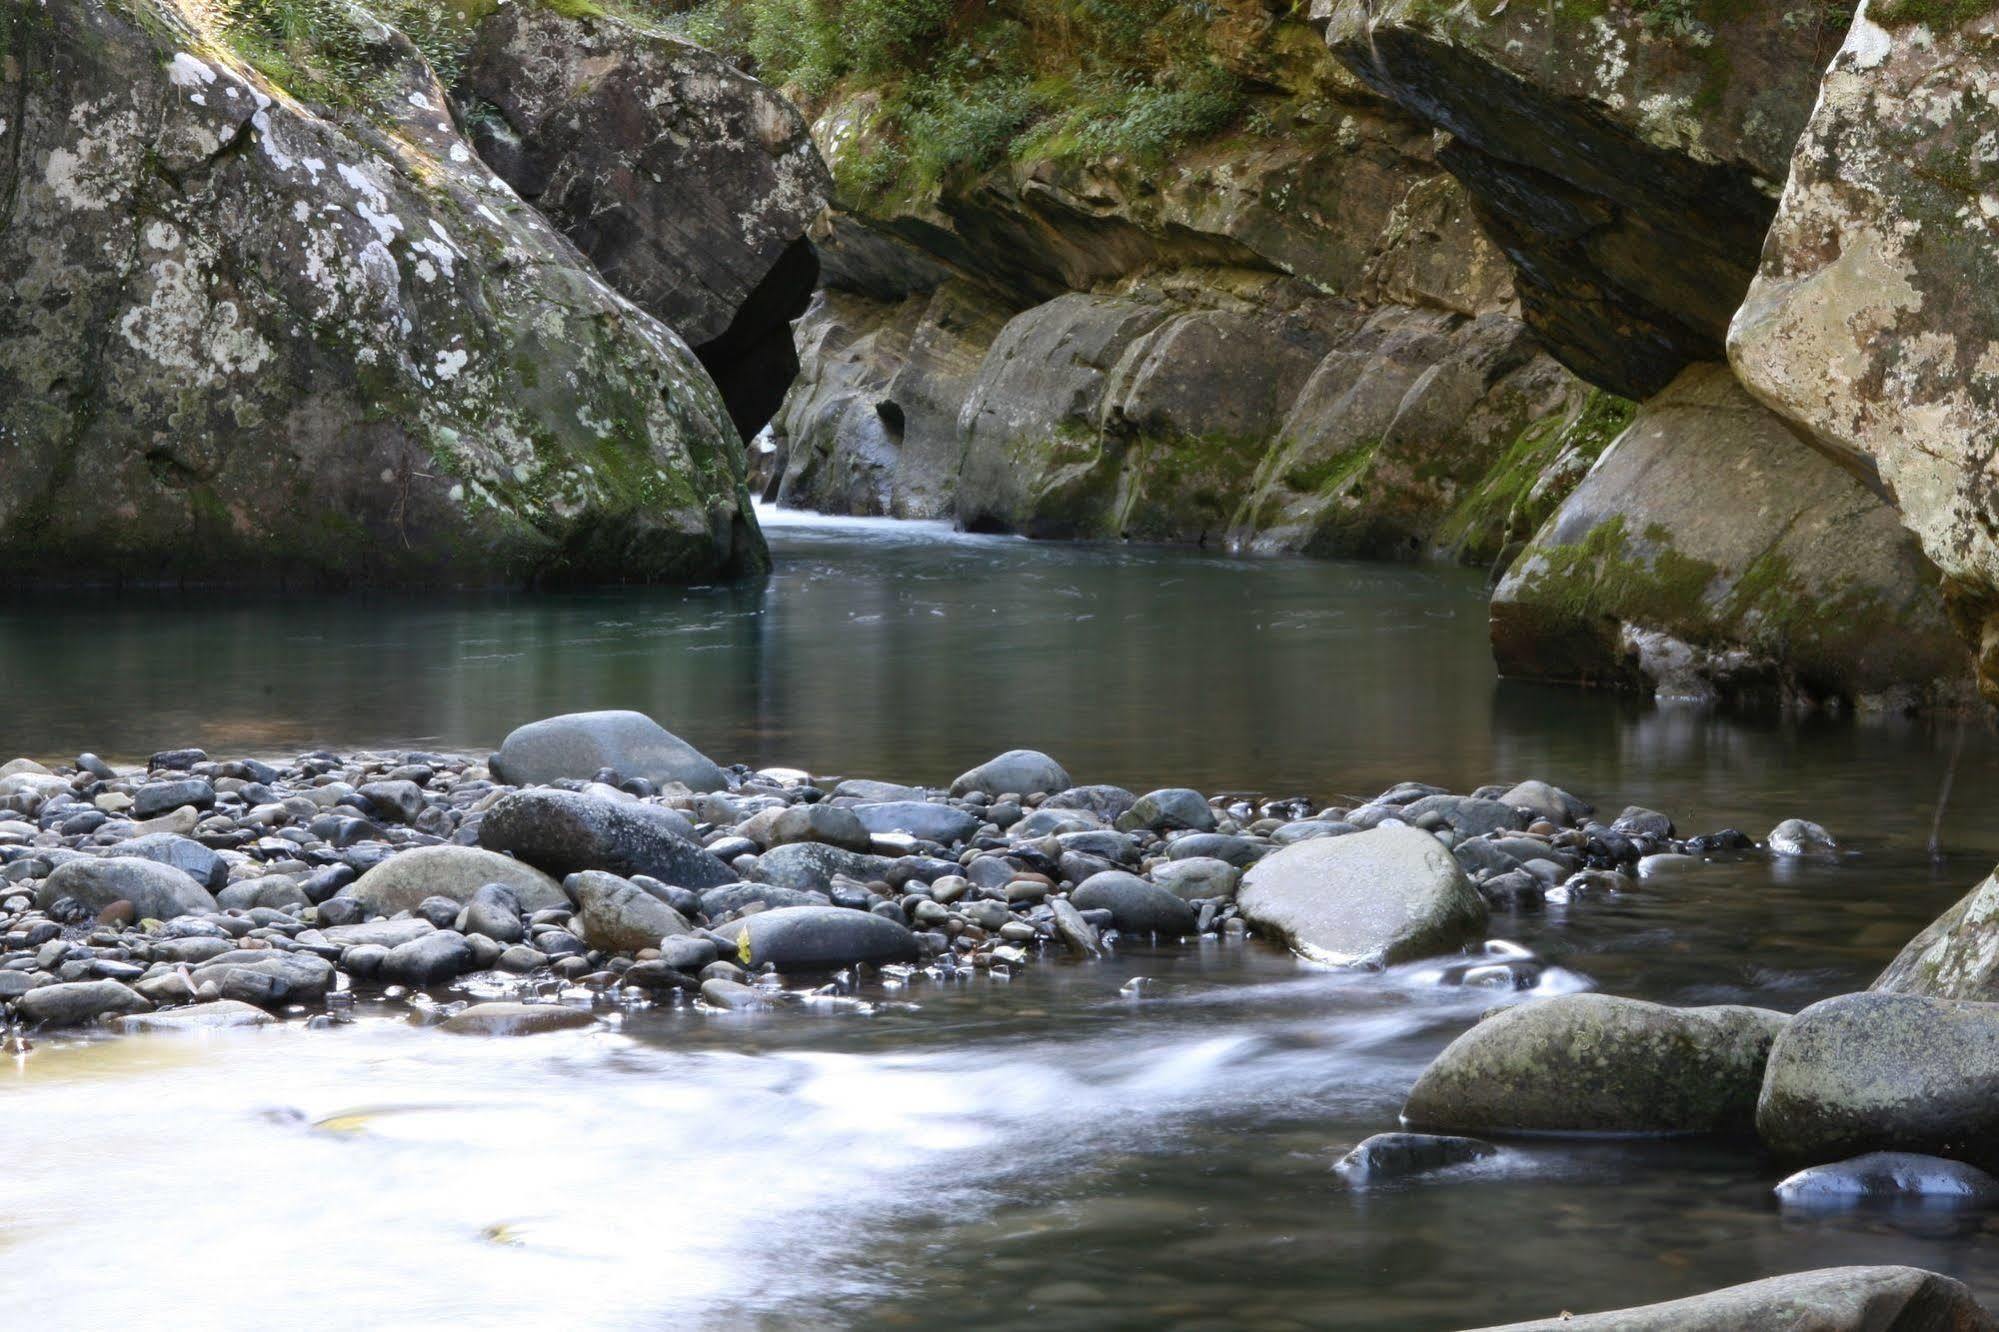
(1058, 1149)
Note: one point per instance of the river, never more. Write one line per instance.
(1065, 1148)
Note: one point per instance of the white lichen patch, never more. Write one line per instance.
(181, 329)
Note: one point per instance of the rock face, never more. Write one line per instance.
(1595, 1063)
(687, 183)
(1625, 158)
(1293, 340)
(1885, 1072)
(1871, 318)
(260, 333)
(1831, 1299)
(1957, 956)
(578, 745)
(1373, 898)
(1712, 553)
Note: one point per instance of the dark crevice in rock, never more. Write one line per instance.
(754, 361)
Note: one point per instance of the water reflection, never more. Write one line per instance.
(911, 652)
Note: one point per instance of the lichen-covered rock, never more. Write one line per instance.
(1624, 156)
(258, 332)
(1290, 341)
(1885, 1072)
(1424, 431)
(1596, 1063)
(1711, 553)
(1956, 956)
(690, 185)
(1872, 321)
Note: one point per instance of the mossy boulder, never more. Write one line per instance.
(689, 184)
(1885, 1072)
(270, 333)
(1596, 1063)
(1711, 553)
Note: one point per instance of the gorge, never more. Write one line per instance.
(1053, 662)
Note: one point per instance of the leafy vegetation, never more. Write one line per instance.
(964, 87)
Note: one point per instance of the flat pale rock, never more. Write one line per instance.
(578, 745)
(405, 879)
(213, 1016)
(507, 1019)
(1371, 898)
(1830, 1299)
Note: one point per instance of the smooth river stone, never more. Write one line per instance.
(1388, 895)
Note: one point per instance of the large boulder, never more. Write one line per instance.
(1885, 1072)
(1956, 956)
(819, 938)
(1372, 898)
(618, 916)
(578, 745)
(264, 332)
(566, 831)
(1595, 1063)
(156, 891)
(689, 184)
(457, 872)
(1625, 159)
(1831, 1299)
(1870, 320)
(1711, 553)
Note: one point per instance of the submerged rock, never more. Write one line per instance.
(212, 1016)
(1831, 1299)
(1388, 1156)
(1885, 1072)
(510, 1019)
(1888, 1177)
(1370, 898)
(1595, 1063)
(578, 745)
